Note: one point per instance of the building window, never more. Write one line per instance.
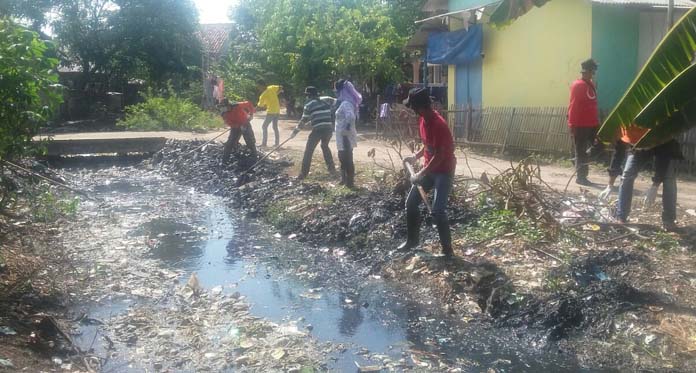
(437, 75)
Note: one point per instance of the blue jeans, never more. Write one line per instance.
(665, 168)
(442, 183)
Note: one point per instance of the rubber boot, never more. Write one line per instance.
(413, 229)
(350, 177)
(443, 230)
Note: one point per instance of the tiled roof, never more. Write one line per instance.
(660, 3)
(214, 37)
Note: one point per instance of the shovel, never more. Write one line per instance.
(241, 179)
(409, 169)
(208, 142)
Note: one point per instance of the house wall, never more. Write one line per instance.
(615, 40)
(533, 61)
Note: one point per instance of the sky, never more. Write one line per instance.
(214, 11)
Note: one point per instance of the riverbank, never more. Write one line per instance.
(37, 278)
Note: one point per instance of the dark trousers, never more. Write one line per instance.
(233, 141)
(664, 172)
(583, 138)
(347, 166)
(441, 183)
(617, 159)
(323, 135)
(270, 118)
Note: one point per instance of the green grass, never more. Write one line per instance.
(496, 223)
(285, 221)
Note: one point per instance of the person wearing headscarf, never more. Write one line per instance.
(349, 100)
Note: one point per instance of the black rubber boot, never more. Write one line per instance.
(443, 229)
(413, 228)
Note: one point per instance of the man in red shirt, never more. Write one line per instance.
(583, 118)
(237, 116)
(437, 172)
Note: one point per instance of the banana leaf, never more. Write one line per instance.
(672, 98)
(671, 57)
(509, 10)
(680, 121)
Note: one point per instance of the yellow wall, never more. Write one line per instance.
(451, 84)
(533, 61)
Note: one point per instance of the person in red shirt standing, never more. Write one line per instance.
(437, 173)
(237, 116)
(583, 118)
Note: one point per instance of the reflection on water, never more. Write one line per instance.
(175, 243)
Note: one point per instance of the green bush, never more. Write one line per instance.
(171, 113)
(29, 89)
(48, 206)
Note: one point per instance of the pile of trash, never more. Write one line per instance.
(198, 329)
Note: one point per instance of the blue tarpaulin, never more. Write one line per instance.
(456, 47)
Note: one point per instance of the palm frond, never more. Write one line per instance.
(680, 121)
(670, 99)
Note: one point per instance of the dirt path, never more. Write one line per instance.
(469, 163)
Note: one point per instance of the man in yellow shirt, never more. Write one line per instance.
(269, 100)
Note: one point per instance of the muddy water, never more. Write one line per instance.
(366, 320)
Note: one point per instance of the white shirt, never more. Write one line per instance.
(345, 126)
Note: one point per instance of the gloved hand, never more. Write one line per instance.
(417, 178)
(410, 159)
(606, 193)
(295, 132)
(650, 197)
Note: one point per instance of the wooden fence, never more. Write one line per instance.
(524, 128)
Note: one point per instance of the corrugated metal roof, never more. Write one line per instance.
(660, 3)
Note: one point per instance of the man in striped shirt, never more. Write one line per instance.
(319, 113)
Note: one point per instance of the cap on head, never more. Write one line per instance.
(311, 91)
(418, 98)
(589, 66)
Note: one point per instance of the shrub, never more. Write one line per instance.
(29, 89)
(169, 112)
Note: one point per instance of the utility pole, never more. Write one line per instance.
(670, 15)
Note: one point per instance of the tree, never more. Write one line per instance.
(306, 42)
(32, 12)
(159, 35)
(28, 86)
(121, 39)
